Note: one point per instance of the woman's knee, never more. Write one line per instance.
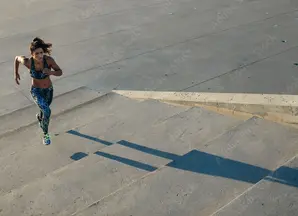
(47, 112)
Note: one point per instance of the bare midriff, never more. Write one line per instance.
(42, 83)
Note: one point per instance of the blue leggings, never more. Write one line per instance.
(43, 98)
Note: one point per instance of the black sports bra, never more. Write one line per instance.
(38, 74)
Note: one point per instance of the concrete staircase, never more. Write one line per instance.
(112, 155)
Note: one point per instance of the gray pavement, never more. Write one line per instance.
(116, 156)
(269, 196)
(189, 45)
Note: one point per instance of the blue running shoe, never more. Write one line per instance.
(46, 139)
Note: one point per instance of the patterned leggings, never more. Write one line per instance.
(43, 98)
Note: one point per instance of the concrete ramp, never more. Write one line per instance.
(112, 155)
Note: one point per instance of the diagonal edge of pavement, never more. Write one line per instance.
(275, 107)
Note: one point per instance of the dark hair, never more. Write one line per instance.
(39, 43)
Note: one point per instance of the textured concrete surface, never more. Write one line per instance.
(276, 195)
(207, 178)
(20, 151)
(274, 107)
(70, 188)
(15, 142)
(225, 46)
(177, 133)
(192, 45)
(24, 181)
(158, 158)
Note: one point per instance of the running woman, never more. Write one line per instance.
(40, 64)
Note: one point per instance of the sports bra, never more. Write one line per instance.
(38, 74)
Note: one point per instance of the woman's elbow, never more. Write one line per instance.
(59, 72)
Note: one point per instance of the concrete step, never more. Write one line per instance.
(177, 133)
(275, 195)
(32, 160)
(36, 161)
(70, 188)
(207, 178)
(86, 185)
(10, 143)
(15, 98)
(25, 117)
(165, 140)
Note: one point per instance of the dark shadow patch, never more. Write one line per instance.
(89, 137)
(78, 156)
(200, 162)
(148, 150)
(129, 162)
(205, 163)
(284, 175)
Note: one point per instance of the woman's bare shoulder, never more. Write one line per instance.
(49, 59)
(24, 60)
(51, 62)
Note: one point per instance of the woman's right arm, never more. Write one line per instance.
(19, 59)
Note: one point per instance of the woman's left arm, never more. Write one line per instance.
(57, 70)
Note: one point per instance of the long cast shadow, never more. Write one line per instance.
(148, 150)
(208, 164)
(284, 175)
(127, 161)
(73, 132)
(205, 163)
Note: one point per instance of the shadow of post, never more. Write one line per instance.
(148, 150)
(78, 156)
(284, 175)
(127, 161)
(203, 163)
(76, 133)
(209, 164)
